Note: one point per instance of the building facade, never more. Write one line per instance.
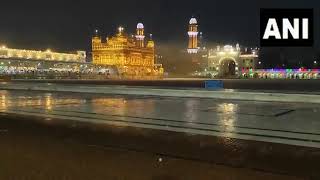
(229, 61)
(48, 55)
(225, 61)
(22, 61)
(132, 55)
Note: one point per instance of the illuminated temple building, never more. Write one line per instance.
(131, 55)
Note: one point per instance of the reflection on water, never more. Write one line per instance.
(122, 106)
(117, 105)
(143, 107)
(48, 102)
(191, 112)
(3, 100)
(227, 115)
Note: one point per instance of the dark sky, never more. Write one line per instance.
(68, 25)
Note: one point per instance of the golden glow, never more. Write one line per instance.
(128, 53)
(48, 102)
(120, 29)
(117, 106)
(3, 100)
(228, 116)
(79, 56)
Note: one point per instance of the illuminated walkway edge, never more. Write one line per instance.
(221, 94)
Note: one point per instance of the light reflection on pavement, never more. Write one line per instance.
(286, 123)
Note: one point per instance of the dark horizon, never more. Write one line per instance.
(68, 26)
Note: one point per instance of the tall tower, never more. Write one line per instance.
(140, 35)
(193, 36)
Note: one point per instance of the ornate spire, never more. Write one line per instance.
(120, 30)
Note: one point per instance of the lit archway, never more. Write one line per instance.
(228, 67)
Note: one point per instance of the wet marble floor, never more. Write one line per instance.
(91, 136)
(285, 123)
(30, 152)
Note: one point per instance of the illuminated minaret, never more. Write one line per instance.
(140, 35)
(193, 36)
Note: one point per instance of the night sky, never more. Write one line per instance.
(68, 25)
